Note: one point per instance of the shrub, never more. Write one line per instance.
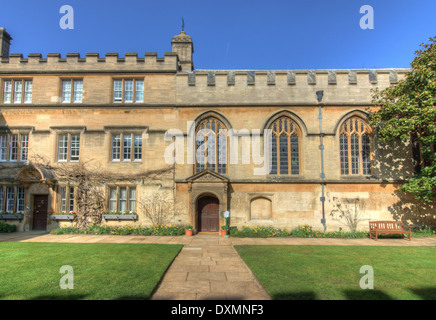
(4, 227)
(158, 230)
(168, 230)
(258, 232)
(307, 231)
(424, 231)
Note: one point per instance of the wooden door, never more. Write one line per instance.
(208, 214)
(40, 206)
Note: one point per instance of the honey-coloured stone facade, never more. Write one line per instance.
(176, 95)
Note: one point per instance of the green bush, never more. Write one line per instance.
(4, 227)
(423, 231)
(307, 231)
(304, 231)
(258, 232)
(159, 230)
(168, 230)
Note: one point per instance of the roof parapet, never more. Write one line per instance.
(92, 62)
(295, 77)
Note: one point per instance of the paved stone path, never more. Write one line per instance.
(208, 266)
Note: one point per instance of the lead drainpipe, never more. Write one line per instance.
(319, 95)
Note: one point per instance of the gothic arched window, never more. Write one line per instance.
(285, 147)
(211, 146)
(355, 147)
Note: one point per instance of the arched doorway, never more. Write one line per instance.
(208, 214)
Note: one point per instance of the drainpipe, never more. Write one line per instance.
(319, 95)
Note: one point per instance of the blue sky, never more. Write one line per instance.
(235, 34)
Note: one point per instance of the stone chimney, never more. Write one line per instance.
(183, 46)
(5, 43)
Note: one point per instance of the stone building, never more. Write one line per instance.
(242, 141)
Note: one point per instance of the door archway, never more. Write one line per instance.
(208, 214)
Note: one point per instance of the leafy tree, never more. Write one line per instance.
(408, 111)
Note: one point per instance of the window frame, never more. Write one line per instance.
(73, 90)
(219, 131)
(127, 200)
(24, 91)
(350, 155)
(68, 146)
(135, 93)
(276, 134)
(7, 146)
(67, 199)
(16, 200)
(121, 149)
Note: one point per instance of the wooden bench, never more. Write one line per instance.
(387, 227)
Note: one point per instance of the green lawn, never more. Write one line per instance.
(101, 271)
(333, 272)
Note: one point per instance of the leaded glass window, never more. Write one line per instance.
(355, 147)
(285, 147)
(211, 146)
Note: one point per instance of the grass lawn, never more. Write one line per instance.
(333, 272)
(102, 271)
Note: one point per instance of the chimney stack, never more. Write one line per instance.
(5, 43)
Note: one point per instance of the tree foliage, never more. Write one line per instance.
(408, 111)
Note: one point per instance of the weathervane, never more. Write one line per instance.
(183, 24)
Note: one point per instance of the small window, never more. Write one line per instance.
(126, 147)
(28, 87)
(72, 91)
(14, 147)
(20, 199)
(137, 150)
(128, 90)
(11, 199)
(67, 199)
(24, 147)
(17, 91)
(68, 147)
(7, 93)
(71, 199)
(116, 147)
(75, 147)
(122, 199)
(63, 198)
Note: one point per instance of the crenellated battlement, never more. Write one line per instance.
(294, 77)
(296, 87)
(92, 62)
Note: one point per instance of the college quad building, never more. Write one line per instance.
(242, 141)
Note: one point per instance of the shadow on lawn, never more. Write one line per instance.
(349, 295)
(84, 297)
(59, 297)
(366, 295)
(295, 296)
(425, 293)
